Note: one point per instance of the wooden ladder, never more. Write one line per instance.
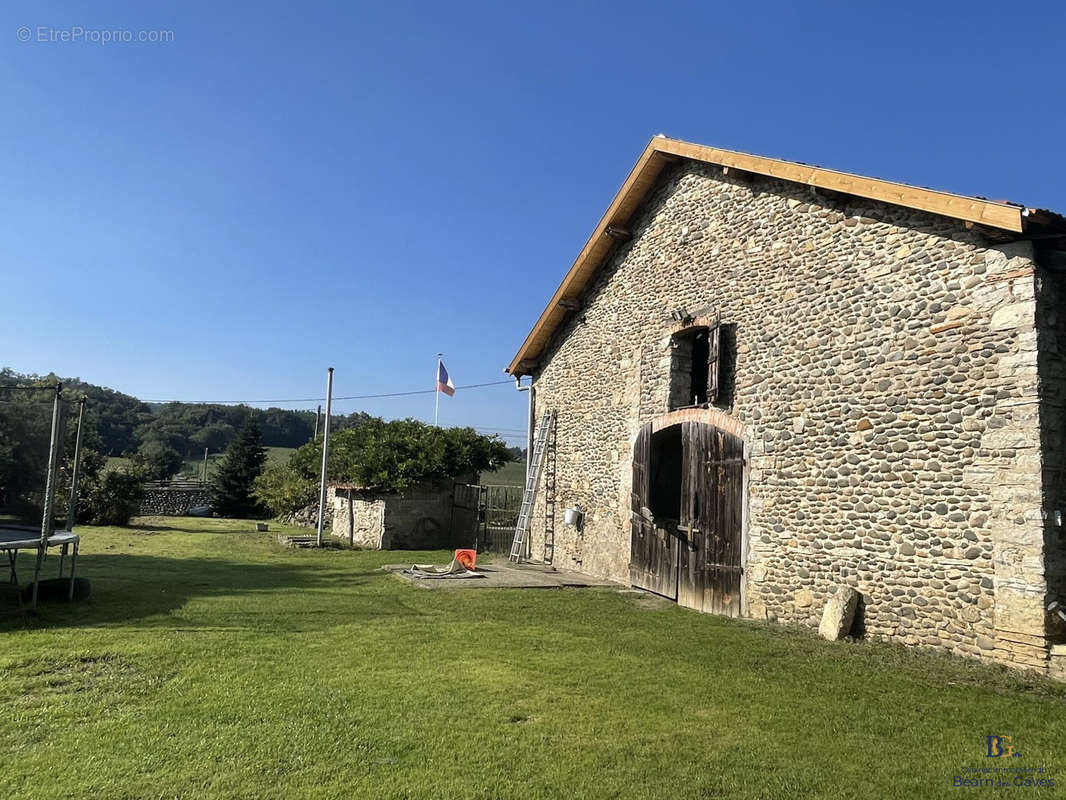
(536, 462)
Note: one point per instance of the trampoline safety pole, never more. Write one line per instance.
(325, 456)
(49, 491)
(72, 504)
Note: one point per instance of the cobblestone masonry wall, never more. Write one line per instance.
(172, 502)
(886, 383)
(307, 517)
(1051, 330)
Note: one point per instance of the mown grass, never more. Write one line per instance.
(512, 473)
(211, 662)
(194, 467)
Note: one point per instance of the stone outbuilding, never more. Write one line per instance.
(419, 517)
(772, 380)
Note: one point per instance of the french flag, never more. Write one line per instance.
(444, 383)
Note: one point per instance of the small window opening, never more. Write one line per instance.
(701, 352)
(703, 367)
(688, 368)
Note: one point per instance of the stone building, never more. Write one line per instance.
(417, 518)
(771, 380)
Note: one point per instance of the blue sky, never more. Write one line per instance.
(287, 186)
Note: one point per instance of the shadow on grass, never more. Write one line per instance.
(192, 526)
(127, 588)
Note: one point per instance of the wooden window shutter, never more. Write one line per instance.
(713, 349)
(641, 490)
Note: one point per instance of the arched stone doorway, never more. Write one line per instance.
(687, 507)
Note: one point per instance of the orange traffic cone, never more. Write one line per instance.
(468, 558)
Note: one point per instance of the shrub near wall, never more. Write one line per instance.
(113, 500)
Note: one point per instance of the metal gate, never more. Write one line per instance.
(485, 516)
(466, 514)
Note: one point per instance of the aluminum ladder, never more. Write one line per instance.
(536, 463)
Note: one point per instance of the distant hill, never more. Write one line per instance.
(124, 424)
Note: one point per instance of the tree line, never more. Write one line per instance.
(162, 436)
(366, 451)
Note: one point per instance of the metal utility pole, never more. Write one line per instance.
(325, 455)
(531, 417)
(436, 391)
(203, 481)
(318, 418)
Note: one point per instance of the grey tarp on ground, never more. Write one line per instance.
(453, 570)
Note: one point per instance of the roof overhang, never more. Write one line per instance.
(661, 152)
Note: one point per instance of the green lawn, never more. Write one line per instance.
(512, 473)
(212, 662)
(193, 467)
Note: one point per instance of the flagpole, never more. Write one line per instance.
(436, 392)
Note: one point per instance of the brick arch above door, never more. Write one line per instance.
(708, 416)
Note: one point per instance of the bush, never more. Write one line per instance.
(113, 499)
(282, 489)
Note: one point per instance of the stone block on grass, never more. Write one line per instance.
(839, 614)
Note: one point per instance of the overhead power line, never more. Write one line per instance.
(323, 399)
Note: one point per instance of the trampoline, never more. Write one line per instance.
(37, 459)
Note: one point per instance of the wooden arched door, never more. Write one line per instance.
(712, 510)
(655, 542)
(688, 547)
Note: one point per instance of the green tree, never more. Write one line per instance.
(233, 481)
(381, 455)
(213, 436)
(25, 432)
(282, 489)
(159, 459)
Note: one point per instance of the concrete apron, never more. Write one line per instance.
(505, 575)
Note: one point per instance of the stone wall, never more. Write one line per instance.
(172, 501)
(885, 383)
(358, 518)
(307, 517)
(1051, 330)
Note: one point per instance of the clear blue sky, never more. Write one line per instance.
(288, 186)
